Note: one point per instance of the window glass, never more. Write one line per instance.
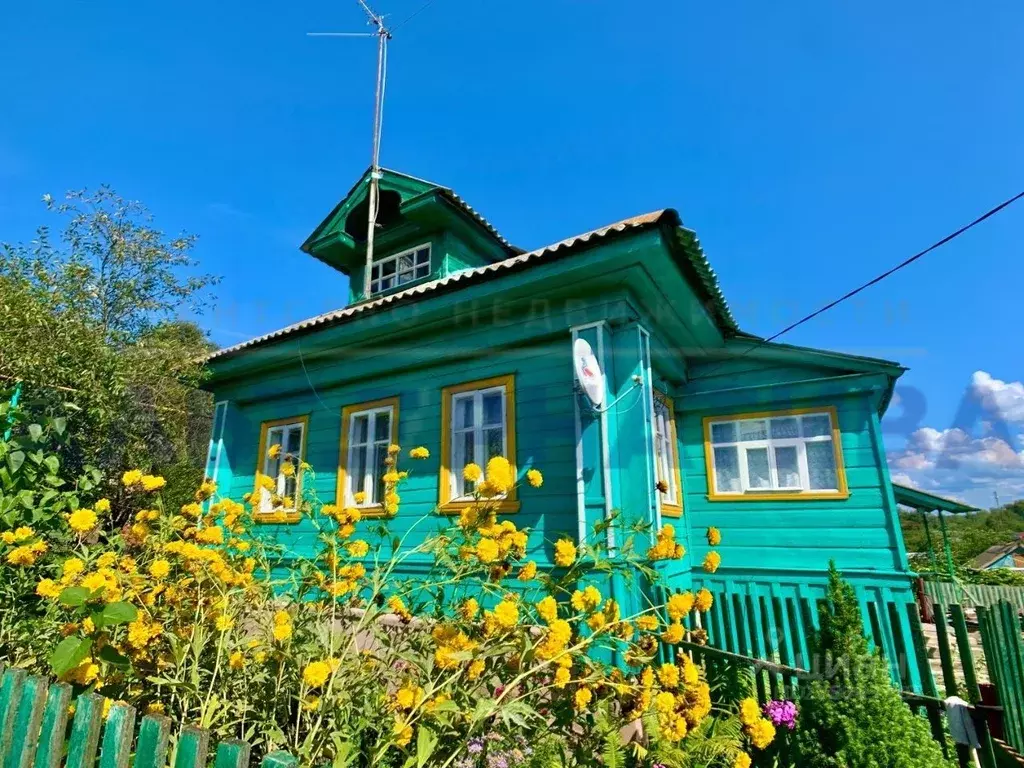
(727, 470)
(399, 269)
(370, 433)
(478, 433)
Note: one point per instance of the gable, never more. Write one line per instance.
(411, 211)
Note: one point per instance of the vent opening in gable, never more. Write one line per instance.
(387, 215)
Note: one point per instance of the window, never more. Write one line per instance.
(478, 423)
(400, 269)
(281, 452)
(367, 429)
(666, 456)
(789, 454)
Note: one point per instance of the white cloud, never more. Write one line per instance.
(1003, 400)
(954, 462)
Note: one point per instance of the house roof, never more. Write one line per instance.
(994, 554)
(914, 497)
(684, 243)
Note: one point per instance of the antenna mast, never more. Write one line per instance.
(373, 199)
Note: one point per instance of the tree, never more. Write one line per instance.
(854, 717)
(93, 319)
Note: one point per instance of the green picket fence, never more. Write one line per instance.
(35, 733)
(1004, 655)
(974, 595)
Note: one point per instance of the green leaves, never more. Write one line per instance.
(69, 653)
(74, 597)
(117, 613)
(15, 459)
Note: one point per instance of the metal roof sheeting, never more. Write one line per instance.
(687, 241)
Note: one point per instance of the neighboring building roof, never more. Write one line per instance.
(914, 497)
(993, 555)
(686, 244)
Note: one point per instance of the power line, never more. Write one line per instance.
(874, 281)
(412, 15)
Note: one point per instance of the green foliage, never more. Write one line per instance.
(91, 318)
(969, 535)
(855, 717)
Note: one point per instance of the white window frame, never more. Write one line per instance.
(770, 444)
(368, 483)
(455, 458)
(376, 283)
(285, 430)
(665, 450)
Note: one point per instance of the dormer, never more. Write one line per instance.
(424, 232)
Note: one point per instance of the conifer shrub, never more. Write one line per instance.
(854, 717)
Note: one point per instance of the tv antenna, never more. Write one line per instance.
(383, 35)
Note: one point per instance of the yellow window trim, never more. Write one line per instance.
(672, 510)
(837, 447)
(374, 510)
(446, 505)
(279, 515)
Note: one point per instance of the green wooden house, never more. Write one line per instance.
(465, 345)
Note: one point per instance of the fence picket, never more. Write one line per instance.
(10, 691)
(26, 723)
(117, 737)
(50, 748)
(85, 731)
(151, 748)
(279, 760)
(232, 753)
(987, 751)
(193, 744)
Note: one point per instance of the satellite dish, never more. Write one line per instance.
(588, 371)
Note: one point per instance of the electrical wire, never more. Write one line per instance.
(874, 281)
(412, 15)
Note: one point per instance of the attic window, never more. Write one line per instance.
(402, 268)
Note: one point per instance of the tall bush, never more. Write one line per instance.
(855, 717)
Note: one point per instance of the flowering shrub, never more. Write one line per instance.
(482, 658)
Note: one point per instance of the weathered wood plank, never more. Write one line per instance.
(85, 731)
(151, 748)
(232, 753)
(26, 723)
(10, 692)
(193, 744)
(117, 737)
(50, 748)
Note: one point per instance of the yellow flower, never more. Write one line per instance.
(7, 537)
(742, 761)
(48, 588)
(21, 556)
(668, 676)
(153, 482)
(487, 550)
(528, 571)
(24, 533)
(155, 708)
(711, 562)
(703, 601)
(82, 520)
(582, 698)
(647, 622)
(403, 733)
(102, 506)
(565, 553)
(288, 469)
(359, 497)
(282, 632)
(311, 703)
(535, 478)
(191, 510)
(761, 733)
(679, 605)
(131, 478)
(159, 569)
(714, 536)
(106, 560)
(673, 633)
(316, 673)
(274, 451)
(398, 607)
(476, 668)
(236, 660)
(212, 535)
(500, 475)
(586, 600)
(469, 609)
(408, 696)
(358, 548)
(394, 450)
(547, 609)
(506, 613)
(72, 567)
(750, 712)
(562, 677)
(224, 623)
(419, 453)
(471, 473)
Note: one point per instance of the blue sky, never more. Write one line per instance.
(811, 145)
